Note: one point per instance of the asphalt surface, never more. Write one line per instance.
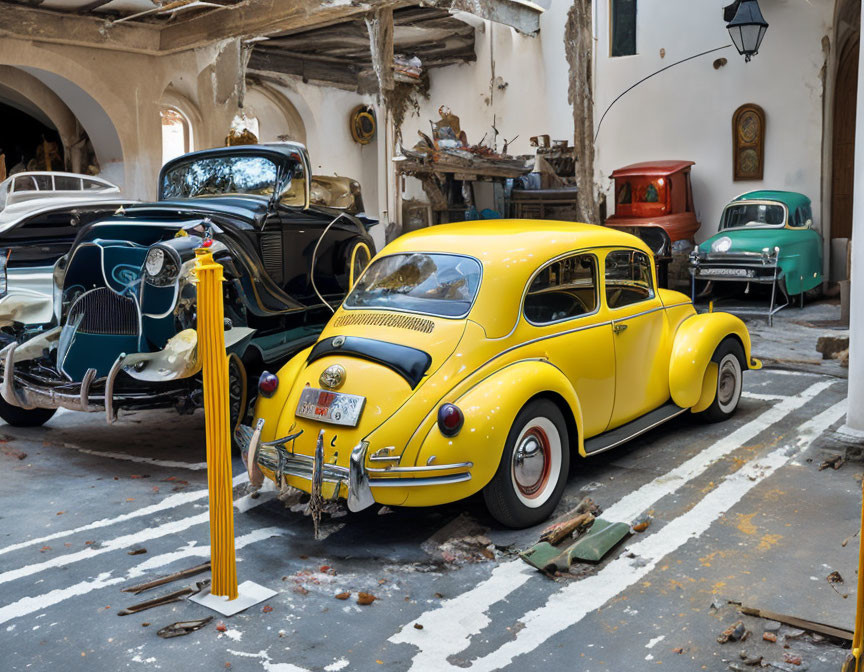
(739, 512)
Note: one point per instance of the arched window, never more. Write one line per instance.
(176, 133)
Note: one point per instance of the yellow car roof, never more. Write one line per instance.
(510, 250)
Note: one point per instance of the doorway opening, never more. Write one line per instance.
(843, 150)
(28, 143)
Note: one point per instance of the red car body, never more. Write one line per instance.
(655, 194)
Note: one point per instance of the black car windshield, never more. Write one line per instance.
(219, 175)
(753, 214)
(433, 284)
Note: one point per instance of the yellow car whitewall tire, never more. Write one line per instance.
(729, 362)
(534, 466)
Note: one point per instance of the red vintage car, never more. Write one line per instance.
(654, 201)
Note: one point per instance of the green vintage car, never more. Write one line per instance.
(765, 237)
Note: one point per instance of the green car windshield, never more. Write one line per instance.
(739, 215)
(443, 285)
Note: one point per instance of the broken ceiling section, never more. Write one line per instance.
(176, 25)
(340, 55)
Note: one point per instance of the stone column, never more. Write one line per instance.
(855, 413)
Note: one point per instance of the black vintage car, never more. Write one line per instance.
(124, 334)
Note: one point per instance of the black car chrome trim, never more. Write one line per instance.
(410, 363)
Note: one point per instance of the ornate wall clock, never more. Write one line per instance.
(748, 142)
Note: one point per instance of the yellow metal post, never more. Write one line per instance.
(211, 344)
(853, 661)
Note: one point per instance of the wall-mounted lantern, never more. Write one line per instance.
(747, 27)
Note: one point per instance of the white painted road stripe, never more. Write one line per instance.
(464, 616)
(571, 604)
(118, 543)
(763, 397)
(633, 504)
(167, 503)
(29, 605)
(171, 464)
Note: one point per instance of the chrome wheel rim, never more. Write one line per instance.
(531, 462)
(728, 383)
(535, 465)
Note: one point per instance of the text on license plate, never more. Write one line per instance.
(729, 272)
(337, 408)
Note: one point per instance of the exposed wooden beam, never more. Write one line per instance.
(380, 27)
(309, 69)
(264, 18)
(523, 15)
(91, 6)
(41, 25)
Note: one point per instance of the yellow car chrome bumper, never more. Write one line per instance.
(279, 458)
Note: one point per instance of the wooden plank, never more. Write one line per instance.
(801, 623)
(42, 25)
(380, 27)
(270, 18)
(344, 76)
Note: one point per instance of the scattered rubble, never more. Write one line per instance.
(769, 637)
(833, 347)
(834, 461)
(364, 599)
(750, 660)
(734, 633)
(17, 454)
(141, 587)
(641, 524)
(175, 596)
(575, 523)
(182, 628)
(594, 539)
(462, 541)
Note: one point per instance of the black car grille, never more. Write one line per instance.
(272, 255)
(102, 311)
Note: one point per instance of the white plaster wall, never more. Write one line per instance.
(686, 112)
(325, 112)
(534, 100)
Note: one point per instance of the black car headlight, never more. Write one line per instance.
(162, 266)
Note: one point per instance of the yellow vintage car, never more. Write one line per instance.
(484, 356)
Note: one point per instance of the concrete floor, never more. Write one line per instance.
(740, 512)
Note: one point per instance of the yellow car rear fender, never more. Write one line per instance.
(271, 409)
(489, 407)
(692, 378)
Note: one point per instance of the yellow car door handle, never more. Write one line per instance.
(618, 327)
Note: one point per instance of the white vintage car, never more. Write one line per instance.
(40, 215)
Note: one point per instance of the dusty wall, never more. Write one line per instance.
(121, 114)
(534, 100)
(686, 112)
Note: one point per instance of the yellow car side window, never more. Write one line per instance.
(628, 278)
(564, 289)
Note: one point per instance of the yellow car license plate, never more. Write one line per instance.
(337, 408)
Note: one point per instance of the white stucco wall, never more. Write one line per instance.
(325, 112)
(686, 112)
(534, 100)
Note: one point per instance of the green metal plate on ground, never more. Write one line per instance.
(590, 547)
